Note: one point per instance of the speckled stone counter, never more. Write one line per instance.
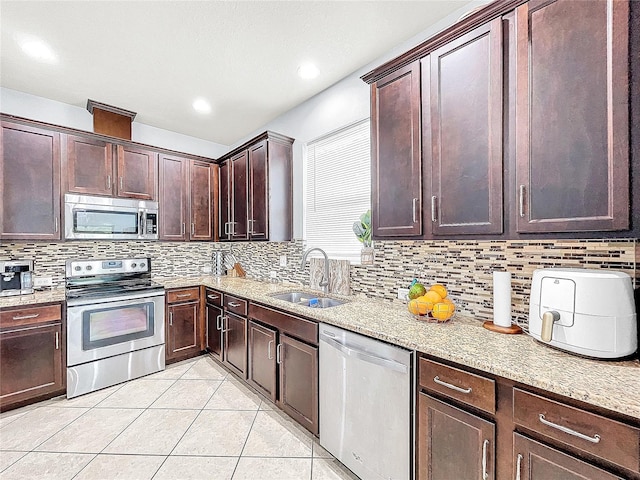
(44, 296)
(606, 384)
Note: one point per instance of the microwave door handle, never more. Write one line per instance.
(142, 221)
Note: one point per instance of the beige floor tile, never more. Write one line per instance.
(197, 468)
(154, 432)
(205, 369)
(319, 452)
(44, 466)
(233, 396)
(273, 469)
(173, 371)
(88, 400)
(92, 432)
(187, 394)
(7, 417)
(8, 458)
(124, 467)
(137, 394)
(330, 469)
(216, 433)
(274, 436)
(36, 426)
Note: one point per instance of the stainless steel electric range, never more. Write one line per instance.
(115, 323)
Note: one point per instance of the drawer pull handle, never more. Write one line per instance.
(213, 297)
(269, 356)
(485, 475)
(234, 305)
(183, 295)
(452, 387)
(25, 317)
(518, 467)
(594, 439)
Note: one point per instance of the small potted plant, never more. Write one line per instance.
(362, 229)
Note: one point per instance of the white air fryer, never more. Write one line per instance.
(588, 312)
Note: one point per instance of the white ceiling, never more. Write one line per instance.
(156, 57)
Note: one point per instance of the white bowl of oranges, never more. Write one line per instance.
(432, 304)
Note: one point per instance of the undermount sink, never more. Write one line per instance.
(308, 299)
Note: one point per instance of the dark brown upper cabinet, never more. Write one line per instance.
(97, 167)
(462, 133)
(572, 116)
(256, 195)
(396, 176)
(29, 183)
(187, 199)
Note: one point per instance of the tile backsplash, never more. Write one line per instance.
(464, 267)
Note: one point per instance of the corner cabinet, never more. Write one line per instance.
(29, 183)
(256, 190)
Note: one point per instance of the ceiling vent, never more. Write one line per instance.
(111, 121)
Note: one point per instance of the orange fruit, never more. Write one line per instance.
(439, 289)
(413, 307)
(419, 307)
(449, 301)
(432, 296)
(442, 311)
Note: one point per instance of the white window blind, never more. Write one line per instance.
(337, 190)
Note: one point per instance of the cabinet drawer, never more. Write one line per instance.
(469, 388)
(235, 305)
(586, 431)
(183, 295)
(305, 330)
(213, 297)
(20, 316)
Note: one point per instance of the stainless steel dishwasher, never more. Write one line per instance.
(366, 404)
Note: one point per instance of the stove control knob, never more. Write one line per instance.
(134, 265)
(77, 268)
(89, 267)
(143, 265)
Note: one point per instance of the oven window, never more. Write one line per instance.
(101, 221)
(109, 326)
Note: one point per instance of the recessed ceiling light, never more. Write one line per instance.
(200, 105)
(36, 48)
(308, 71)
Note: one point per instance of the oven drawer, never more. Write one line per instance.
(183, 295)
(235, 305)
(213, 297)
(466, 387)
(20, 316)
(586, 431)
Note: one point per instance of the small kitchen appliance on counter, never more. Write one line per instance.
(16, 277)
(588, 312)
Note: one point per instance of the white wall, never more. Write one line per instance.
(13, 102)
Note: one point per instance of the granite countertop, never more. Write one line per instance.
(607, 384)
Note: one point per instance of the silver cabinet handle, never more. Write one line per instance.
(213, 297)
(269, 356)
(108, 182)
(193, 228)
(518, 467)
(226, 228)
(413, 206)
(232, 228)
(521, 200)
(452, 387)
(25, 317)
(233, 304)
(485, 475)
(55, 224)
(594, 439)
(251, 222)
(171, 319)
(434, 199)
(183, 295)
(219, 322)
(184, 228)
(225, 330)
(57, 341)
(121, 183)
(279, 353)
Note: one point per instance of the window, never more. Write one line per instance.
(337, 189)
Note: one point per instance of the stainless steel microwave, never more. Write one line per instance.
(105, 218)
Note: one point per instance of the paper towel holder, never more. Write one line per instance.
(502, 284)
(513, 329)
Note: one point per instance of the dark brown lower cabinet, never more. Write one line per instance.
(235, 342)
(182, 330)
(262, 368)
(213, 319)
(453, 443)
(536, 461)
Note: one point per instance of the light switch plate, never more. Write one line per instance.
(42, 281)
(403, 293)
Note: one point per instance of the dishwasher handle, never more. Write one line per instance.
(364, 356)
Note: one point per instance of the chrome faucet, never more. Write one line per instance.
(324, 282)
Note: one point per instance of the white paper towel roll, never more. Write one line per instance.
(502, 299)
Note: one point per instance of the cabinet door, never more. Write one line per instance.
(214, 329)
(29, 183)
(258, 192)
(535, 461)
(239, 196)
(299, 381)
(262, 368)
(572, 114)
(201, 203)
(183, 333)
(32, 363)
(89, 166)
(235, 342)
(173, 198)
(465, 99)
(224, 201)
(396, 183)
(136, 173)
(453, 443)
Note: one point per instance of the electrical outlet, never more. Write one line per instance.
(283, 260)
(42, 281)
(207, 269)
(403, 293)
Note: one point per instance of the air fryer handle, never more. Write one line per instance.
(548, 318)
